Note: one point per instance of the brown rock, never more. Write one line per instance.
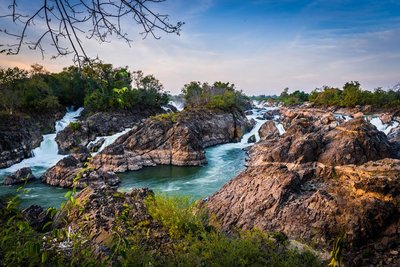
(268, 131)
(23, 175)
(179, 141)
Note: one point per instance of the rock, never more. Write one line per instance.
(23, 175)
(314, 183)
(353, 142)
(270, 114)
(251, 139)
(248, 112)
(70, 172)
(170, 108)
(386, 118)
(358, 115)
(36, 216)
(394, 134)
(99, 124)
(311, 202)
(101, 210)
(94, 147)
(179, 140)
(21, 133)
(268, 131)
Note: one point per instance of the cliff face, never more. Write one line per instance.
(20, 134)
(99, 124)
(178, 140)
(316, 182)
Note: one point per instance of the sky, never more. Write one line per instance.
(261, 46)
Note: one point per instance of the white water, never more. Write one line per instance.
(386, 128)
(179, 105)
(108, 140)
(46, 155)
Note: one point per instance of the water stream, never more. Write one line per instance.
(224, 162)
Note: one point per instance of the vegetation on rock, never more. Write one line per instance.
(219, 95)
(172, 231)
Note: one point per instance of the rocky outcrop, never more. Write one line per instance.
(177, 139)
(99, 214)
(353, 142)
(37, 217)
(272, 114)
(20, 134)
(74, 171)
(94, 147)
(99, 124)
(316, 183)
(268, 131)
(21, 176)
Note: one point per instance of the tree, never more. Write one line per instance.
(64, 24)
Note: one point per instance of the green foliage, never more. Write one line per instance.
(218, 96)
(352, 95)
(336, 253)
(295, 98)
(75, 125)
(171, 116)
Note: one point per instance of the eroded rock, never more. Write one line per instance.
(179, 140)
(23, 175)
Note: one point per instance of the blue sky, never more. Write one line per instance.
(262, 46)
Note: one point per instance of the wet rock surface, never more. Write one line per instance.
(321, 179)
(75, 171)
(178, 140)
(23, 175)
(99, 124)
(20, 134)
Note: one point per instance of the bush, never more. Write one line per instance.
(218, 96)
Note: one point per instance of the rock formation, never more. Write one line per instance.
(318, 182)
(268, 131)
(23, 175)
(74, 171)
(99, 124)
(177, 139)
(20, 134)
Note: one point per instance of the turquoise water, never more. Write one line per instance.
(224, 163)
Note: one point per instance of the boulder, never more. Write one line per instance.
(386, 118)
(37, 217)
(268, 131)
(251, 139)
(94, 147)
(70, 172)
(248, 112)
(23, 175)
(270, 114)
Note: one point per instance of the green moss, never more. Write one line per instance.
(172, 116)
(75, 126)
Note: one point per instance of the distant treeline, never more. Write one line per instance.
(97, 86)
(350, 95)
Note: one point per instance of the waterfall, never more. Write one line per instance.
(46, 155)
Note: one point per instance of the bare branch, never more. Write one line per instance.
(65, 23)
